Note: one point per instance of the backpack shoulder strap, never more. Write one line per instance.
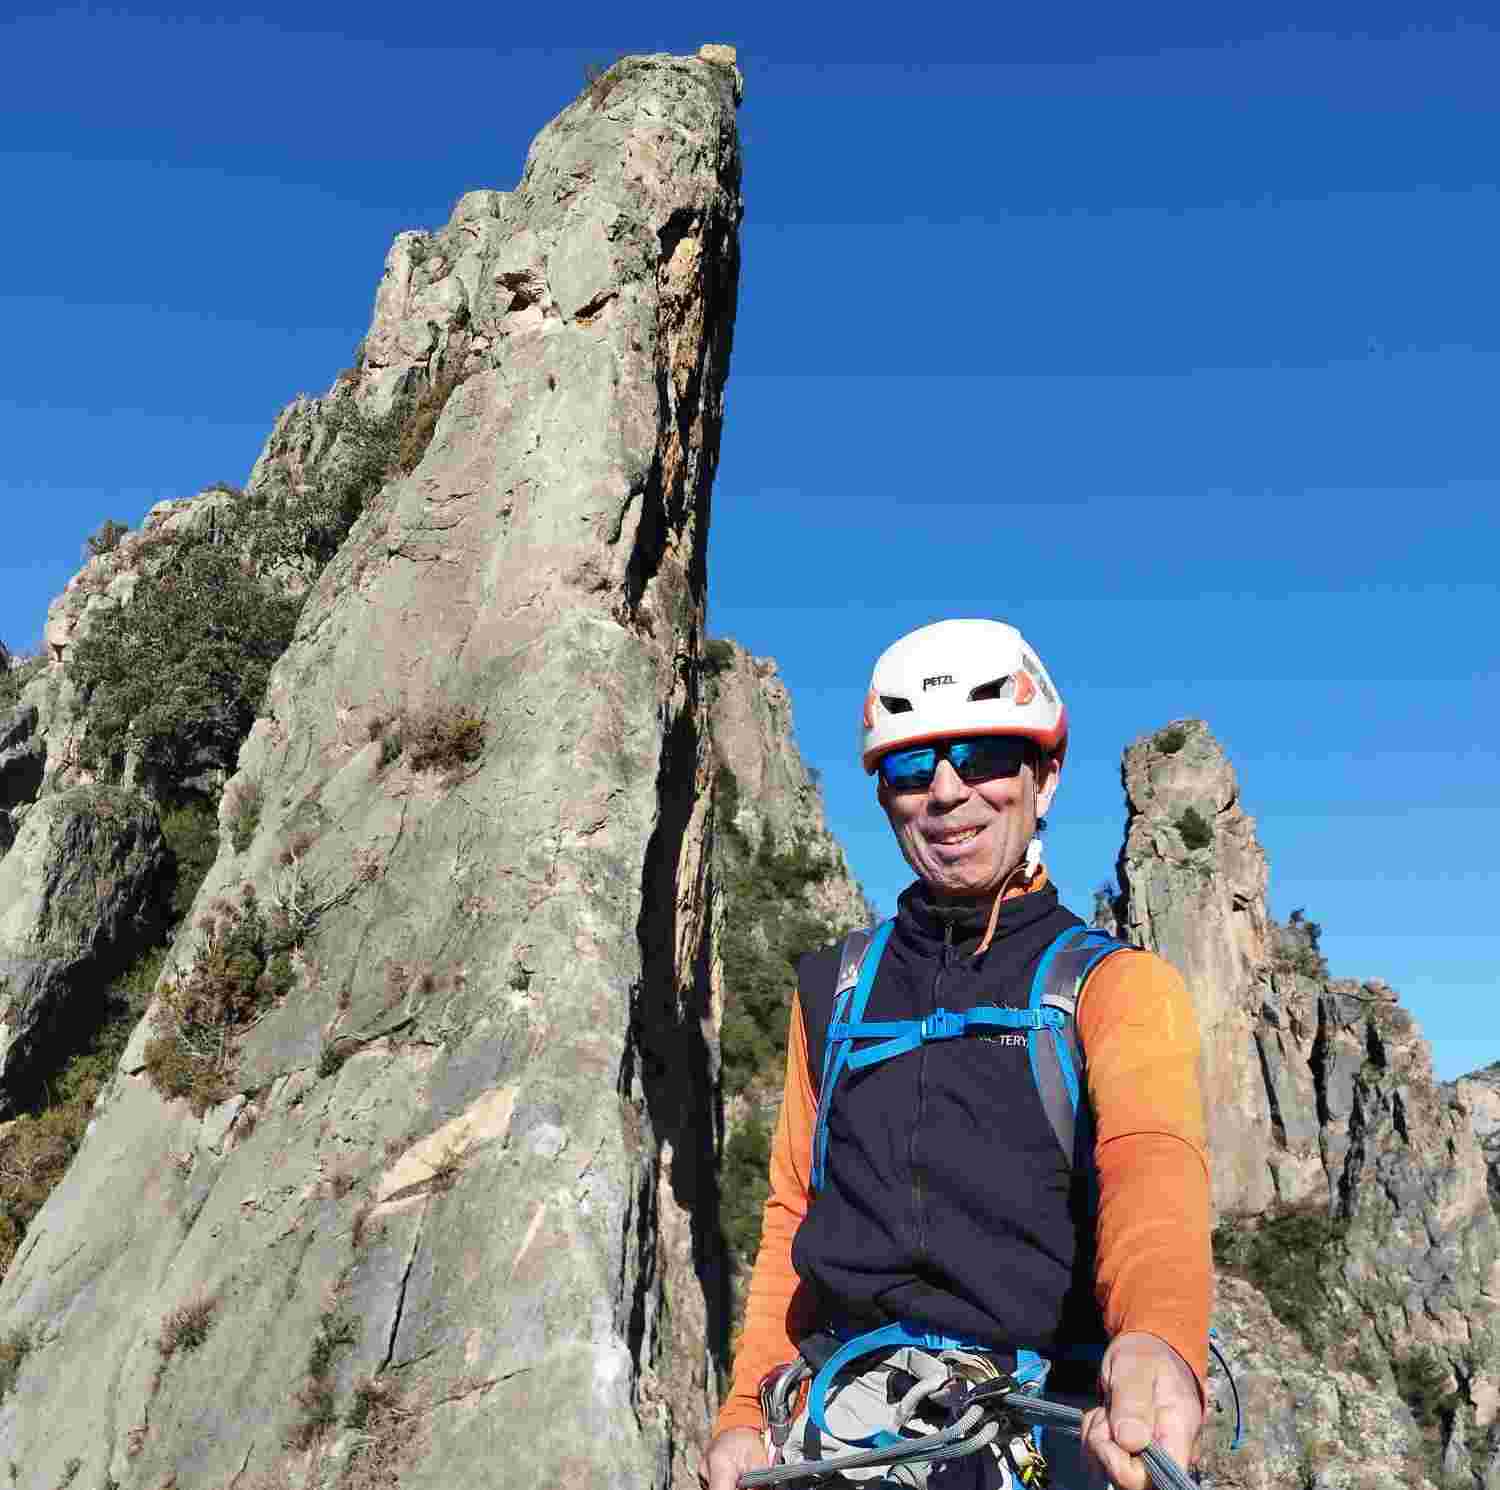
(1057, 1055)
(859, 957)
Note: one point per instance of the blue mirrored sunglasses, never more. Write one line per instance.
(982, 758)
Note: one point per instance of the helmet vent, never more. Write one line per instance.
(995, 688)
(894, 705)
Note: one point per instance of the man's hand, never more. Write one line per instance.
(1150, 1395)
(733, 1452)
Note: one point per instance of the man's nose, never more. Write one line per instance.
(947, 786)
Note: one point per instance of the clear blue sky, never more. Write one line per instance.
(1170, 334)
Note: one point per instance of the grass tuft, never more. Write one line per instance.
(14, 1348)
(186, 1327)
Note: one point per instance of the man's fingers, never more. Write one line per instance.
(729, 1456)
(1120, 1468)
(1177, 1426)
(1133, 1405)
(1151, 1396)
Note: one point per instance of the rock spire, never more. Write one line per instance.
(439, 1187)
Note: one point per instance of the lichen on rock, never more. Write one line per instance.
(531, 921)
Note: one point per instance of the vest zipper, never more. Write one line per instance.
(919, 1203)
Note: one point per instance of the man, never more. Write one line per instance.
(944, 1201)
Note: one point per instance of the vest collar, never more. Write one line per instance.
(921, 917)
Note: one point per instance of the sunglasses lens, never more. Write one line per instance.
(909, 770)
(988, 757)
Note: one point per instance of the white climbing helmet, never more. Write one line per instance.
(960, 678)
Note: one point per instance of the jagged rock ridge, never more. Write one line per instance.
(776, 798)
(458, 1201)
(1360, 1255)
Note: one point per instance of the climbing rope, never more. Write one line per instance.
(987, 1410)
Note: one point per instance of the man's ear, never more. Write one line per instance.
(1048, 773)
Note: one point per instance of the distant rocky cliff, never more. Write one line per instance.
(786, 889)
(773, 799)
(1359, 1253)
(410, 1166)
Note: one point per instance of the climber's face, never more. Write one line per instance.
(964, 839)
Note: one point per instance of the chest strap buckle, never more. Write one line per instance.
(942, 1024)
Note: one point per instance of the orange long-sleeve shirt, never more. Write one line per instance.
(1153, 1271)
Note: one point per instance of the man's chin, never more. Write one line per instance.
(965, 886)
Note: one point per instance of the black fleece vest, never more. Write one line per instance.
(947, 1202)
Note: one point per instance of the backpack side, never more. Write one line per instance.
(1058, 1059)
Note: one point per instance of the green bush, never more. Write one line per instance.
(304, 529)
(1422, 1381)
(242, 967)
(14, 1348)
(15, 674)
(745, 1183)
(1197, 832)
(1170, 740)
(1296, 949)
(768, 925)
(178, 674)
(718, 657)
(192, 834)
(1285, 1255)
(106, 540)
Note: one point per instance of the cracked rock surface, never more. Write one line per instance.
(1360, 1253)
(470, 1153)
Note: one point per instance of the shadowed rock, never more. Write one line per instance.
(78, 897)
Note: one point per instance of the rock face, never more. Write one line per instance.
(775, 794)
(1359, 1252)
(77, 896)
(1478, 1094)
(21, 759)
(1195, 882)
(459, 1203)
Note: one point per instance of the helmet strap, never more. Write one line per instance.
(1027, 869)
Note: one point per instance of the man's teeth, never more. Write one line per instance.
(963, 837)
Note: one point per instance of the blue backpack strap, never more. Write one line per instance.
(858, 960)
(1057, 1062)
(897, 1036)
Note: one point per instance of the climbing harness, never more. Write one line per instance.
(998, 1411)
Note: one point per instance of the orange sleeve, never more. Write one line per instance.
(1155, 1266)
(778, 1311)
